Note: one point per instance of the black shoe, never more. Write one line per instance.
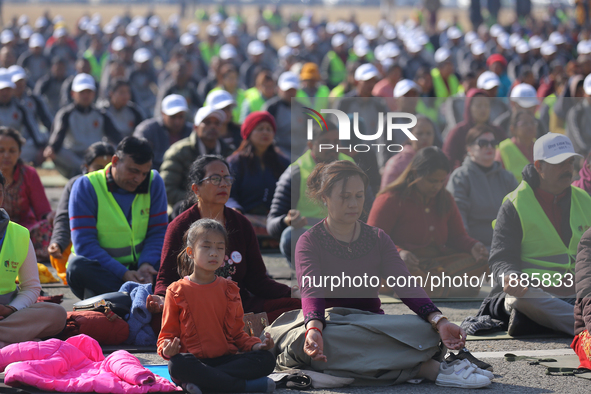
(520, 325)
(465, 354)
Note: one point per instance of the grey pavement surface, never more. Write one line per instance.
(511, 377)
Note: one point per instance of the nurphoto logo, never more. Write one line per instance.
(344, 124)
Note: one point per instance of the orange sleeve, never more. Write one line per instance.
(171, 323)
(235, 320)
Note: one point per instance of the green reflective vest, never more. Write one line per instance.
(307, 207)
(430, 112)
(320, 98)
(12, 256)
(542, 249)
(96, 65)
(338, 91)
(255, 99)
(513, 160)
(207, 52)
(441, 89)
(337, 70)
(122, 242)
(370, 58)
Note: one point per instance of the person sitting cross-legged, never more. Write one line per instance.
(118, 221)
(534, 246)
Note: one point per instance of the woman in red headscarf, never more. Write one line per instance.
(257, 165)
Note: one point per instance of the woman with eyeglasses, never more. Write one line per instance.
(211, 186)
(257, 166)
(424, 222)
(518, 151)
(480, 184)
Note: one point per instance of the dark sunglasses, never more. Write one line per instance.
(485, 143)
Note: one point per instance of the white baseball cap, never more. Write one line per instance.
(404, 86)
(514, 39)
(556, 38)
(193, 28)
(288, 80)
(338, 40)
(25, 32)
(109, 28)
(173, 104)
(361, 48)
(93, 30)
(83, 82)
(488, 80)
(17, 73)
(503, 41)
(227, 51)
(119, 43)
(187, 39)
(41, 22)
(263, 33)
(478, 47)
(495, 30)
(284, 52)
(470, 37)
(442, 54)
(535, 42)
(310, 38)
(548, 48)
(36, 41)
(219, 99)
(6, 79)
(524, 95)
(206, 112)
(60, 32)
(370, 33)
(142, 55)
(389, 32)
(522, 47)
(146, 34)
(230, 31)
(413, 47)
(453, 33)
(391, 50)
(366, 71)
(6, 36)
(587, 85)
(255, 48)
(131, 30)
(584, 47)
(213, 30)
(216, 18)
(154, 21)
(554, 148)
(293, 40)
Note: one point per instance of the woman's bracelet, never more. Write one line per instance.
(313, 328)
(12, 307)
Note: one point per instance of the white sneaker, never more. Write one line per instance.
(460, 374)
(481, 371)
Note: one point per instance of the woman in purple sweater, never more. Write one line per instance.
(342, 246)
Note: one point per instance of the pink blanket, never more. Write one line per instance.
(77, 365)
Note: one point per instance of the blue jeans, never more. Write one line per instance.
(83, 273)
(289, 238)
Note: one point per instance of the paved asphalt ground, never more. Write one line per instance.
(511, 377)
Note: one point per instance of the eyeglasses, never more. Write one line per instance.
(485, 143)
(217, 179)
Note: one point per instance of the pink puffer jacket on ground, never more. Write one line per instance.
(77, 365)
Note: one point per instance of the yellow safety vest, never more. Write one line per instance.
(513, 160)
(542, 249)
(337, 70)
(122, 242)
(12, 256)
(307, 207)
(320, 99)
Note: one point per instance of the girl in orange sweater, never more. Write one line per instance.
(202, 323)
